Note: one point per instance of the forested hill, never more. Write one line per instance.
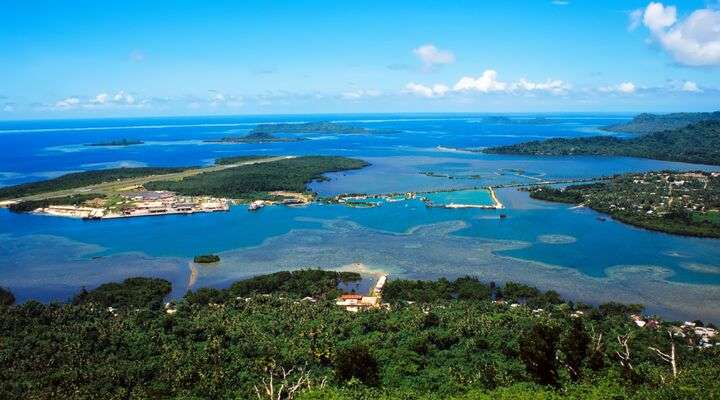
(697, 143)
(650, 123)
(450, 342)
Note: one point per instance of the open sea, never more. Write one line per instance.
(552, 246)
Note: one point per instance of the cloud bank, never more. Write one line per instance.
(693, 41)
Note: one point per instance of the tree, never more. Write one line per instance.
(6, 297)
(574, 347)
(538, 350)
(668, 357)
(356, 362)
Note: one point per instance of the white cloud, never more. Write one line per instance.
(694, 41)
(624, 87)
(8, 108)
(360, 93)
(69, 102)
(555, 86)
(431, 56)
(657, 16)
(485, 83)
(426, 91)
(488, 82)
(122, 97)
(560, 2)
(101, 98)
(690, 86)
(226, 100)
(636, 18)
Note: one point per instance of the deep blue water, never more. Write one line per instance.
(50, 258)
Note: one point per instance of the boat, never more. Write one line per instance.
(256, 205)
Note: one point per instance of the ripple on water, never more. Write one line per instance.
(556, 239)
(702, 268)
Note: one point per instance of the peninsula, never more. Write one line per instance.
(129, 192)
(683, 203)
(697, 143)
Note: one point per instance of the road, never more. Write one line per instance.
(126, 184)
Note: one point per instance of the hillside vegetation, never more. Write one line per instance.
(698, 143)
(650, 123)
(261, 335)
(81, 179)
(253, 180)
(685, 203)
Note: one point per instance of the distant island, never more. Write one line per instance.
(255, 137)
(697, 143)
(114, 143)
(206, 259)
(651, 123)
(684, 203)
(316, 127)
(502, 120)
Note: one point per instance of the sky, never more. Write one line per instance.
(75, 59)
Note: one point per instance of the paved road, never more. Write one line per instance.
(115, 186)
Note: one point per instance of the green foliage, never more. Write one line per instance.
(650, 123)
(6, 297)
(574, 347)
(301, 283)
(248, 180)
(215, 345)
(80, 179)
(131, 293)
(239, 159)
(356, 362)
(295, 284)
(698, 143)
(76, 199)
(538, 350)
(466, 288)
(206, 259)
(664, 201)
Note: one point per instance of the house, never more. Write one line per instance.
(355, 302)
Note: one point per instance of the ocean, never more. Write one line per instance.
(552, 246)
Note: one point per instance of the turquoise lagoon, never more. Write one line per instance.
(552, 246)
(469, 197)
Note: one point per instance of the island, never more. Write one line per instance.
(116, 143)
(651, 123)
(206, 259)
(683, 203)
(291, 334)
(502, 120)
(136, 192)
(255, 137)
(696, 143)
(316, 127)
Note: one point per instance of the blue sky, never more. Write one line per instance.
(98, 59)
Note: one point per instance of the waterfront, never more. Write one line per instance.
(547, 245)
